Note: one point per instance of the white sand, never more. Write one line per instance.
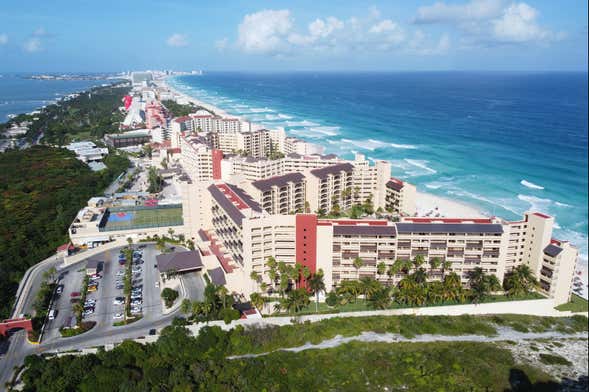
(195, 101)
(432, 205)
(426, 203)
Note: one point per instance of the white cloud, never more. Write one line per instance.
(3, 39)
(274, 32)
(32, 45)
(484, 22)
(177, 40)
(264, 31)
(441, 12)
(518, 24)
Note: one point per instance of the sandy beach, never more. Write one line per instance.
(432, 206)
(427, 203)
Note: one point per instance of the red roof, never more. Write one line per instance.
(353, 222)
(174, 150)
(67, 246)
(542, 215)
(447, 220)
(182, 119)
(232, 197)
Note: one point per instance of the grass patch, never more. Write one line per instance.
(258, 340)
(126, 322)
(551, 359)
(439, 366)
(85, 326)
(361, 305)
(576, 305)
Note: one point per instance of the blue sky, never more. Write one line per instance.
(88, 35)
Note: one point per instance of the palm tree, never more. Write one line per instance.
(185, 306)
(481, 284)
(381, 298)
(171, 232)
(369, 286)
(295, 301)
(418, 261)
(420, 276)
(257, 300)
(446, 265)
(222, 292)
(434, 263)
(520, 281)
(130, 241)
(358, 263)
(316, 284)
(392, 270)
(349, 289)
(435, 292)
(381, 268)
(452, 287)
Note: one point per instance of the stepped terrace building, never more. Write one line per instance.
(249, 235)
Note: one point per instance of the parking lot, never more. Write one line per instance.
(102, 305)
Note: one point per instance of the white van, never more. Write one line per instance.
(52, 314)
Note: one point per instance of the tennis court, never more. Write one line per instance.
(126, 218)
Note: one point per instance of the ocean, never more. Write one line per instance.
(503, 142)
(20, 95)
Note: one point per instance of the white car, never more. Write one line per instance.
(118, 302)
(118, 316)
(136, 310)
(157, 283)
(120, 272)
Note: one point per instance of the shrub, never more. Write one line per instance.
(551, 359)
(169, 296)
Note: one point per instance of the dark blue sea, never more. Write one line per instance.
(20, 95)
(503, 142)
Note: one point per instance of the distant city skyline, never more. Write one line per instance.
(286, 36)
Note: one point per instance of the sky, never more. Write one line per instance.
(122, 35)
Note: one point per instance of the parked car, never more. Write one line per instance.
(119, 286)
(75, 294)
(152, 331)
(120, 272)
(59, 289)
(118, 316)
(157, 283)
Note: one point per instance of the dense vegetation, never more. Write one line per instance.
(179, 110)
(90, 115)
(422, 284)
(179, 362)
(41, 190)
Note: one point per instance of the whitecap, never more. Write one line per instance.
(530, 185)
(562, 204)
(403, 146)
(261, 110)
(329, 131)
(421, 164)
(284, 116)
(304, 123)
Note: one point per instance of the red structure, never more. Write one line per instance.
(306, 242)
(127, 100)
(17, 323)
(217, 156)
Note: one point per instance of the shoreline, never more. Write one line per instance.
(425, 202)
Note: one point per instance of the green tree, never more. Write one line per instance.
(434, 264)
(186, 306)
(369, 286)
(169, 296)
(418, 261)
(381, 298)
(481, 284)
(349, 289)
(520, 281)
(381, 268)
(358, 263)
(317, 285)
(295, 301)
(257, 300)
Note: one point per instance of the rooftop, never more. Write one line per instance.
(179, 261)
(552, 250)
(278, 181)
(406, 228)
(395, 183)
(324, 172)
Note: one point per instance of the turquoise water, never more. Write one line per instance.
(503, 142)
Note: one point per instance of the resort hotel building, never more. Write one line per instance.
(250, 194)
